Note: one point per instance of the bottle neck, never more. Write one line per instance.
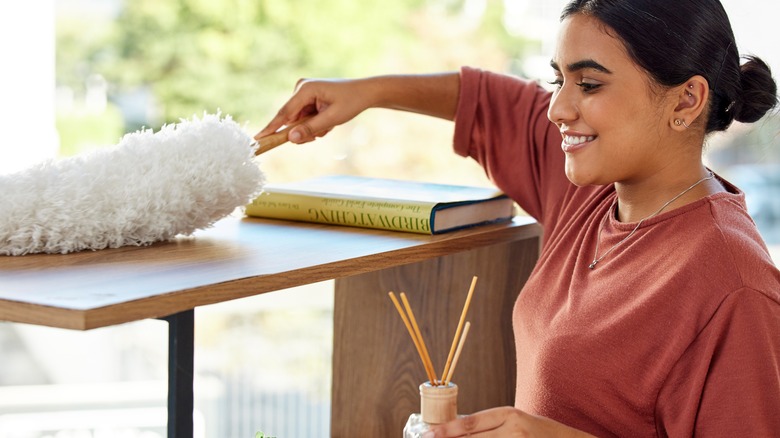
(438, 404)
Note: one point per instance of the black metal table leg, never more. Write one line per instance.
(181, 355)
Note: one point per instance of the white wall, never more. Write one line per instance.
(27, 81)
(754, 23)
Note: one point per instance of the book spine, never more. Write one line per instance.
(411, 217)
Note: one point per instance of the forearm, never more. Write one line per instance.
(431, 94)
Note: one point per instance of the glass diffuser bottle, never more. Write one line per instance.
(438, 405)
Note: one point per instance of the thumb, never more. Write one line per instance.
(309, 129)
(301, 133)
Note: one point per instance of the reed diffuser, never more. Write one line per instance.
(438, 397)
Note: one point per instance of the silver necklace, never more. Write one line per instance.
(596, 257)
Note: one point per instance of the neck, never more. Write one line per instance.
(638, 200)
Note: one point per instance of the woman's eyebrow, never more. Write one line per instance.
(581, 65)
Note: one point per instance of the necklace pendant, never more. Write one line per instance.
(592, 264)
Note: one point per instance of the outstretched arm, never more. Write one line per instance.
(333, 102)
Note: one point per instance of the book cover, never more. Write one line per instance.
(389, 204)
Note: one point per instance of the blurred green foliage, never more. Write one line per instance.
(243, 57)
(236, 55)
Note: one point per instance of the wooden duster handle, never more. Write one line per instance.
(278, 138)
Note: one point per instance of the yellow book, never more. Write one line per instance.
(388, 204)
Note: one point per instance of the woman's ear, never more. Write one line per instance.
(691, 101)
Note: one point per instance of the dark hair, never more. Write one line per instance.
(674, 40)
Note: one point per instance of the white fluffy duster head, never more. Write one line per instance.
(150, 187)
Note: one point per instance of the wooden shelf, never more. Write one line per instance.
(234, 259)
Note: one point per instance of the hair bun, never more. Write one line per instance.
(759, 91)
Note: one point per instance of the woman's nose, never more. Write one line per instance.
(563, 108)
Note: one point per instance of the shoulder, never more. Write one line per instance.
(502, 90)
(714, 248)
(741, 246)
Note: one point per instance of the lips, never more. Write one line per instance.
(573, 143)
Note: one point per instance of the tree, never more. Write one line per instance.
(241, 55)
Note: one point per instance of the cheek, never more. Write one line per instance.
(605, 113)
(622, 122)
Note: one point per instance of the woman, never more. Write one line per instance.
(654, 309)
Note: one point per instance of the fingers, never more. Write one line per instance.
(300, 104)
(303, 130)
(284, 117)
(332, 102)
(503, 422)
(310, 98)
(485, 423)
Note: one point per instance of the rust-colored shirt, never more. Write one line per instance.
(675, 333)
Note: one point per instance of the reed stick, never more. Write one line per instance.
(460, 328)
(278, 138)
(431, 376)
(426, 357)
(457, 353)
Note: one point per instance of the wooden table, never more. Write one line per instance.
(376, 370)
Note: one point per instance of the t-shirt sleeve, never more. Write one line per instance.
(501, 122)
(728, 381)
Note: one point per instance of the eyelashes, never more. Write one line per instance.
(585, 86)
(588, 88)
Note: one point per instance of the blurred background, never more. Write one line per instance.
(79, 74)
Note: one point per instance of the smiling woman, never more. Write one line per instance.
(655, 298)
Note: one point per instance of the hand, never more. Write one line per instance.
(332, 102)
(504, 422)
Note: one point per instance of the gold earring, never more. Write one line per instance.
(680, 122)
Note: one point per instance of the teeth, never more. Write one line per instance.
(574, 140)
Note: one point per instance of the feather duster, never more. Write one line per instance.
(151, 186)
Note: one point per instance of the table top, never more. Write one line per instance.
(236, 258)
